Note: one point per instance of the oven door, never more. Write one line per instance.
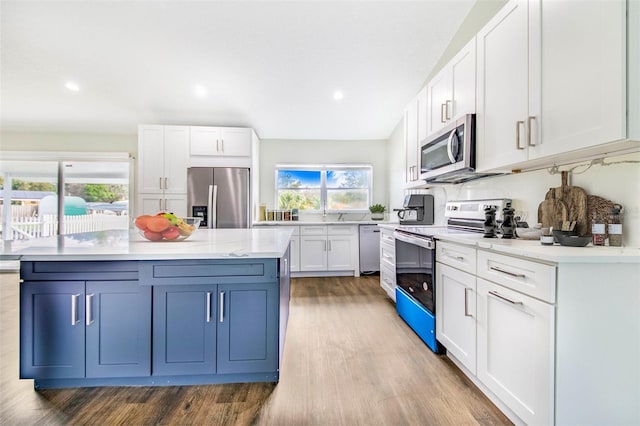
(449, 150)
(414, 268)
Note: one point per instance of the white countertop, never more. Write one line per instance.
(319, 222)
(129, 245)
(532, 249)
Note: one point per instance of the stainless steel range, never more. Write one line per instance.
(415, 263)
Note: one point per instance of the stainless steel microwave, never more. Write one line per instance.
(449, 156)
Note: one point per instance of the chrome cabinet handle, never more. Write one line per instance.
(324, 246)
(518, 124)
(222, 306)
(446, 109)
(208, 306)
(442, 107)
(160, 182)
(88, 309)
(222, 144)
(499, 296)
(74, 309)
(529, 140)
(160, 204)
(458, 258)
(217, 145)
(466, 297)
(513, 274)
(329, 245)
(166, 183)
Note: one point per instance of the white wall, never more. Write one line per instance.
(274, 152)
(68, 142)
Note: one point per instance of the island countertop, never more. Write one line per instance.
(129, 245)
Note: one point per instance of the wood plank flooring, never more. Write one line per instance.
(348, 360)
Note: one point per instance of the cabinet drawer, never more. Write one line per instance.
(456, 255)
(342, 230)
(386, 237)
(79, 271)
(313, 230)
(187, 272)
(388, 275)
(535, 279)
(387, 256)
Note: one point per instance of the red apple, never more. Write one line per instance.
(152, 236)
(171, 233)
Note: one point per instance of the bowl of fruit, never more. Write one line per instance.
(166, 226)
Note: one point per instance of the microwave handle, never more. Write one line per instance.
(449, 148)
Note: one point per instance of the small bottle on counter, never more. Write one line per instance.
(597, 232)
(615, 226)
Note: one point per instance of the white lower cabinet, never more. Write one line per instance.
(294, 250)
(388, 262)
(456, 313)
(329, 248)
(516, 351)
(155, 203)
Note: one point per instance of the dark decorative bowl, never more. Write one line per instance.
(574, 240)
(558, 233)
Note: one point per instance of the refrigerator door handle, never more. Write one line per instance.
(213, 214)
(210, 206)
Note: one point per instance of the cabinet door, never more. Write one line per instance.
(463, 82)
(411, 142)
(184, 329)
(236, 141)
(456, 313)
(313, 253)
(583, 77)
(52, 336)
(151, 159)
(340, 253)
(118, 329)
(205, 141)
(503, 88)
(154, 203)
(294, 249)
(176, 159)
(423, 112)
(438, 93)
(516, 351)
(247, 328)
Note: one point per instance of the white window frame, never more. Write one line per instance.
(323, 168)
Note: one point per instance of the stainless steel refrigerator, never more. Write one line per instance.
(219, 195)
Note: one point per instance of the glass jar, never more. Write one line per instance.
(598, 232)
(615, 227)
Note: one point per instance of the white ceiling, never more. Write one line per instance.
(270, 65)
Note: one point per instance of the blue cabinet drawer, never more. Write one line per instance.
(189, 272)
(79, 271)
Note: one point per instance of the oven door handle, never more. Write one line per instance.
(418, 241)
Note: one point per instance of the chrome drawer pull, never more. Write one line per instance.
(458, 258)
(498, 295)
(513, 274)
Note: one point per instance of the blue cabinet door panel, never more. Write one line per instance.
(184, 330)
(248, 328)
(52, 330)
(118, 329)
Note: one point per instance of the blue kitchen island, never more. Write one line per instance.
(112, 309)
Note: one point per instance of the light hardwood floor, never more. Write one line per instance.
(348, 360)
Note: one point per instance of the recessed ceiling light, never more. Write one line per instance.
(200, 90)
(338, 95)
(72, 86)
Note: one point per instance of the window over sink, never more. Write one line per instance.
(324, 188)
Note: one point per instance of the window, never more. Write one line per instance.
(317, 188)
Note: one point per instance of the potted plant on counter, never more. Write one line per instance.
(377, 211)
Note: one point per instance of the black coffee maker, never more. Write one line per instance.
(417, 209)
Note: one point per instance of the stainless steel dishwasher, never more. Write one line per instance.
(369, 249)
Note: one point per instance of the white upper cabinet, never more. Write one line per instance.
(452, 92)
(163, 158)
(220, 141)
(551, 80)
(412, 172)
(503, 88)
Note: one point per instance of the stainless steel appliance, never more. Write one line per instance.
(369, 248)
(415, 263)
(220, 196)
(417, 209)
(449, 156)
